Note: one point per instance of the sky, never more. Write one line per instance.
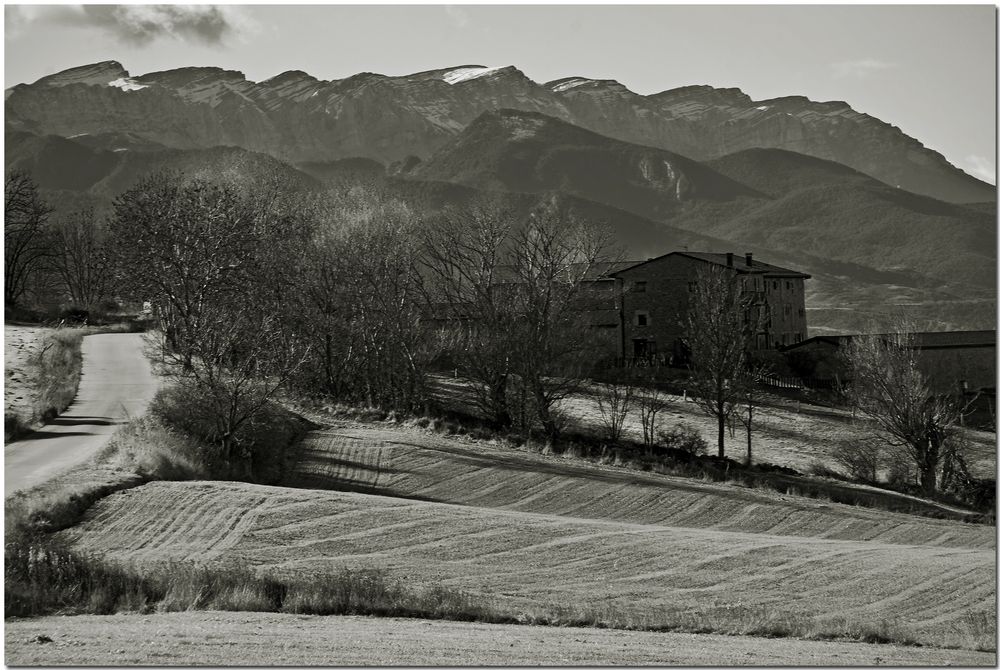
(928, 69)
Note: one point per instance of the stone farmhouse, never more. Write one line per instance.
(648, 301)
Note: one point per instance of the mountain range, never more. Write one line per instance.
(881, 222)
(297, 117)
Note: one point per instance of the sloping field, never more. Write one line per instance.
(648, 574)
(245, 638)
(788, 433)
(423, 466)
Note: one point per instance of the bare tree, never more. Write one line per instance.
(651, 401)
(240, 359)
(463, 255)
(509, 290)
(79, 257)
(749, 399)
(218, 262)
(362, 302)
(26, 246)
(888, 387)
(552, 257)
(614, 401)
(188, 245)
(721, 322)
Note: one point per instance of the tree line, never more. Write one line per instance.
(259, 285)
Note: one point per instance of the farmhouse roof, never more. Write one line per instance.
(736, 261)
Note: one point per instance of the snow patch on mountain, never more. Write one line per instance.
(126, 84)
(567, 84)
(461, 74)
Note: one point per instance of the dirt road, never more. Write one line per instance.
(247, 638)
(117, 382)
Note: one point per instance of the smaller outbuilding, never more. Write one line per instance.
(954, 361)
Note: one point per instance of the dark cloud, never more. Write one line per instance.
(141, 24)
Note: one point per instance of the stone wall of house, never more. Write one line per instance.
(663, 300)
(658, 293)
(786, 299)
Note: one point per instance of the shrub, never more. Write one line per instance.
(74, 315)
(901, 474)
(614, 401)
(154, 450)
(861, 459)
(263, 443)
(14, 427)
(685, 437)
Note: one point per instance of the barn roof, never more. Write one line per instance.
(945, 339)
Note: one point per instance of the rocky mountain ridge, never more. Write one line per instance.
(297, 117)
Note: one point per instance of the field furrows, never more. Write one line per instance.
(437, 469)
(251, 638)
(196, 526)
(647, 572)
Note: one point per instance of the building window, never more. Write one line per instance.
(642, 318)
(788, 309)
(798, 337)
(775, 284)
(788, 285)
(802, 312)
(639, 287)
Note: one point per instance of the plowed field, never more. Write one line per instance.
(646, 572)
(427, 467)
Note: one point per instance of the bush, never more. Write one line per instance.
(74, 315)
(901, 474)
(155, 451)
(262, 444)
(861, 459)
(14, 427)
(685, 437)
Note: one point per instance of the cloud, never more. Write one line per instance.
(860, 68)
(982, 168)
(139, 24)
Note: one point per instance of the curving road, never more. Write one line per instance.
(116, 383)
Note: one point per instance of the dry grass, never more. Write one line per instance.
(550, 569)
(58, 372)
(153, 450)
(21, 347)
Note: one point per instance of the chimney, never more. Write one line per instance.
(749, 259)
(729, 259)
